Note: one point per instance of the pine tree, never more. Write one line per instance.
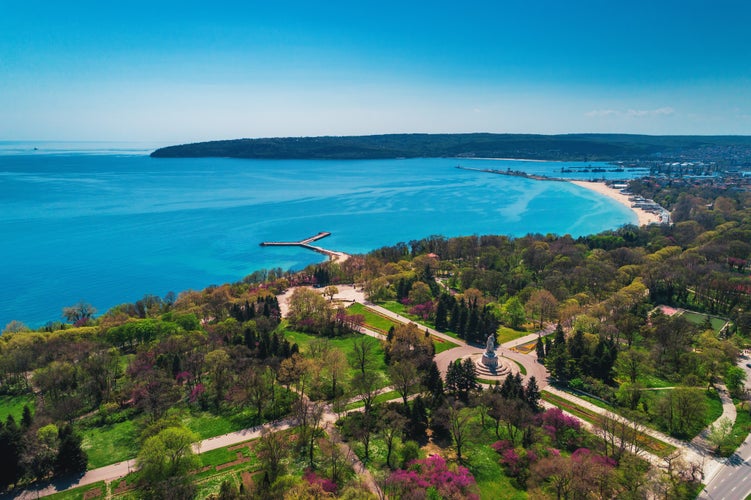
(27, 418)
(441, 316)
(532, 394)
(71, 458)
(540, 349)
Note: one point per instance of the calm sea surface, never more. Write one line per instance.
(108, 225)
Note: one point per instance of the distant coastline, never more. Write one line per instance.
(528, 147)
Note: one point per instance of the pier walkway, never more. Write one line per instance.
(306, 243)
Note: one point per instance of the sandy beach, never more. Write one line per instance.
(643, 216)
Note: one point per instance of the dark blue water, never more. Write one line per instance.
(109, 228)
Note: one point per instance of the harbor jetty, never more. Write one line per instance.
(306, 243)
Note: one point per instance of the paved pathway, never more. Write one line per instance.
(732, 481)
(121, 469)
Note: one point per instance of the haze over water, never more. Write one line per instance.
(109, 228)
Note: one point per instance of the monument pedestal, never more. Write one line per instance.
(490, 361)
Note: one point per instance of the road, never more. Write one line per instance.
(731, 480)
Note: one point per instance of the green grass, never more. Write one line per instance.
(207, 425)
(655, 382)
(381, 398)
(647, 442)
(699, 319)
(110, 444)
(13, 405)
(714, 407)
(78, 493)
(344, 343)
(441, 345)
(482, 462)
(506, 334)
(373, 320)
(740, 431)
(401, 309)
(217, 457)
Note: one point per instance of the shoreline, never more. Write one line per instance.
(643, 217)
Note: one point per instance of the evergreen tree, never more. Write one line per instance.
(441, 316)
(418, 419)
(532, 394)
(27, 418)
(434, 382)
(455, 317)
(11, 450)
(71, 458)
(540, 349)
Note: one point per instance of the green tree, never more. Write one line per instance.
(165, 461)
(514, 313)
(735, 376)
(71, 458)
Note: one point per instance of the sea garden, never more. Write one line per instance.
(361, 415)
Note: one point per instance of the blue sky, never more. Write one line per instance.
(197, 70)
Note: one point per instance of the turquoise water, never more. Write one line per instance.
(109, 228)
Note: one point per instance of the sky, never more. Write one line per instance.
(177, 72)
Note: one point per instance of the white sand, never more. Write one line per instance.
(643, 216)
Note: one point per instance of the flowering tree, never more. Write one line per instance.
(429, 478)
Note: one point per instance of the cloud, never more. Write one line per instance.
(631, 113)
(596, 113)
(664, 111)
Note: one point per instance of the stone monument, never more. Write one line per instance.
(489, 357)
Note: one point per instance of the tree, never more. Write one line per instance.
(71, 458)
(336, 367)
(361, 356)
(79, 313)
(308, 310)
(404, 378)
(458, 423)
(514, 313)
(330, 291)
(542, 304)
(218, 365)
(272, 449)
(393, 427)
(165, 461)
(420, 293)
(461, 378)
(721, 433)
(735, 376)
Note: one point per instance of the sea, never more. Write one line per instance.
(107, 224)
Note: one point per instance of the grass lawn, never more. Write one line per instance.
(80, 492)
(13, 405)
(483, 463)
(648, 443)
(110, 444)
(655, 382)
(699, 319)
(740, 430)
(401, 309)
(506, 334)
(207, 425)
(344, 343)
(373, 320)
(381, 398)
(441, 345)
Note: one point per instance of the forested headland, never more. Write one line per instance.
(145, 379)
(572, 147)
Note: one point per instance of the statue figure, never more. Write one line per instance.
(490, 346)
